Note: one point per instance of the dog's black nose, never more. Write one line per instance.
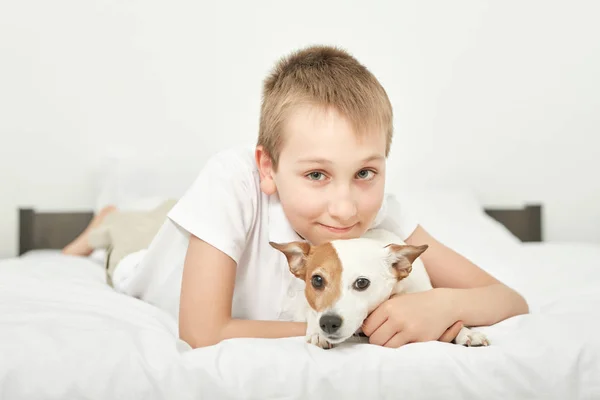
(330, 323)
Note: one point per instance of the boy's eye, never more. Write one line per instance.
(316, 175)
(365, 174)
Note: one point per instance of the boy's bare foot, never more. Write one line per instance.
(80, 246)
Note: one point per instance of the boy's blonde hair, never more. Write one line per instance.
(328, 77)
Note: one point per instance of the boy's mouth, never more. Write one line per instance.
(336, 229)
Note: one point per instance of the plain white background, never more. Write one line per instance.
(501, 97)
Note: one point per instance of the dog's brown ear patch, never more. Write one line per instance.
(296, 253)
(402, 257)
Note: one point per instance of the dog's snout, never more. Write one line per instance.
(330, 323)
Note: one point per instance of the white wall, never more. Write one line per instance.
(503, 97)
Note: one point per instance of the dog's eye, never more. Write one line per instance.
(361, 283)
(317, 281)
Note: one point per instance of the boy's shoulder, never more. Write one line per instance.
(233, 159)
(222, 204)
(232, 166)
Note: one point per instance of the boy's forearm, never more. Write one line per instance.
(240, 328)
(484, 306)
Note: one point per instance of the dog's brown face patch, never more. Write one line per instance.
(319, 267)
(323, 261)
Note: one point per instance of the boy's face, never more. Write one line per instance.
(329, 180)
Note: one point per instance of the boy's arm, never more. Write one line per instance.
(206, 299)
(479, 298)
(462, 292)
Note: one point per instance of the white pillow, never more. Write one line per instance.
(456, 217)
(141, 184)
(450, 201)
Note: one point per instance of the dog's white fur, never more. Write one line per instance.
(367, 257)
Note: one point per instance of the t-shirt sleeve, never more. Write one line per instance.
(220, 205)
(397, 218)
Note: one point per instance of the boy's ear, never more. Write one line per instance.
(401, 257)
(296, 253)
(265, 168)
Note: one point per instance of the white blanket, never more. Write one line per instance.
(65, 334)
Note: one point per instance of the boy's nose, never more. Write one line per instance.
(342, 210)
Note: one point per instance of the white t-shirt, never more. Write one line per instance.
(226, 208)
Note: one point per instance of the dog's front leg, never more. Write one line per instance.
(313, 332)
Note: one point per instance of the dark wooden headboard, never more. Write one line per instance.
(49, 230)
(54, 230)
(525, 223)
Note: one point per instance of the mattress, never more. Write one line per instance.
(65, 334)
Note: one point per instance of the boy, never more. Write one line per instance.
(317, 174)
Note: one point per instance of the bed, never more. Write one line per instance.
(64, 333)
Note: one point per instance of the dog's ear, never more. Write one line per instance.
(296, 253)
(401, 257)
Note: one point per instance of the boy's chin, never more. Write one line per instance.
(323, 234)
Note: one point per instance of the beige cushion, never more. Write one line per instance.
(125, 232)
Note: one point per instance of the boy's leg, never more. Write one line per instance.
(80, 246)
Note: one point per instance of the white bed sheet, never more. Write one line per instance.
(65, 334)
(98, 256)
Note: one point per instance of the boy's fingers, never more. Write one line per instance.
(399, 339)
(382, 334)
(374, 321)
(451, 332)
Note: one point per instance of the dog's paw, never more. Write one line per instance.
(318, 341)
(467, 337)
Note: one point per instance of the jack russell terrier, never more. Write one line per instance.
(347, 279)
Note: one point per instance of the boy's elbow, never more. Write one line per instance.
(203, 342)
(520, 304)
(205, 338)
(523, 306)
(199, 341)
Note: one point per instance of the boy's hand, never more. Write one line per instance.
(413, 317)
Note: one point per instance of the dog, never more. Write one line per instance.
(345, 280)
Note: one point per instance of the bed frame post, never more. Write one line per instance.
(535, 222)
(26, 229)
(525, 223)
